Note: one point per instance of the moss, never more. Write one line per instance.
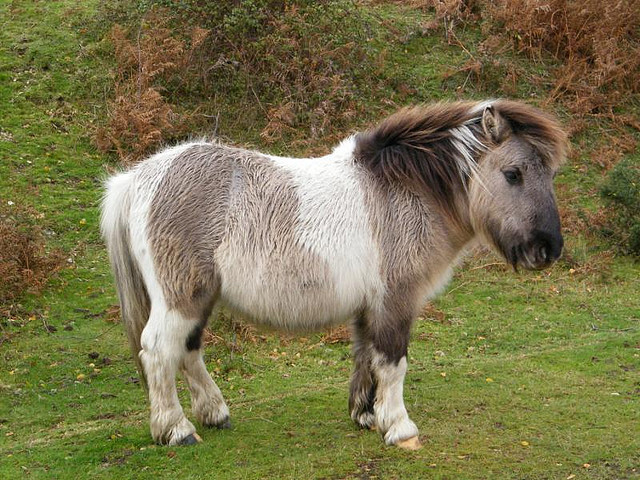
(621, 192)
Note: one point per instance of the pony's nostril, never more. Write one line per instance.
(546, 246)
(543, 253)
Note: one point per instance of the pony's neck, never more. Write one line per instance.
(457, 218)
(468, 146)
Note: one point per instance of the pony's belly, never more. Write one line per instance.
(294, 288)
(295, 304)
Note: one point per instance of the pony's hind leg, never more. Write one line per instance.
(207, 402)
(163, 343)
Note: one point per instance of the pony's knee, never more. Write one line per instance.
(388, 371)
(392, 344)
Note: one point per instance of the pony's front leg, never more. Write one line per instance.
(390, 413)
(362, 393)
(163, 343)
(389, 343)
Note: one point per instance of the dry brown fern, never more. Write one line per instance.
(140, 118)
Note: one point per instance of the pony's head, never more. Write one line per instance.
(487, 166)
(512, 205)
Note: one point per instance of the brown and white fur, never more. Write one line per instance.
(366, 234)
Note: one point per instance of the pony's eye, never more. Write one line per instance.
(514, 177)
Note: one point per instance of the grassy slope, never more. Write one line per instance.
(525, 376)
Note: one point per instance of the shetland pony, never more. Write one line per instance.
(366, 234)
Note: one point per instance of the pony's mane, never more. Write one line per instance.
(435, 148)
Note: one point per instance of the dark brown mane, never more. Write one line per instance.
(416, 144)
(435, 148)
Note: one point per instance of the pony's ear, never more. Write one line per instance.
(495, 125)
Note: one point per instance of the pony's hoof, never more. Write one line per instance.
(192, 439)
(412, 443)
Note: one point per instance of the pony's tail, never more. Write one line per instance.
(135, 305)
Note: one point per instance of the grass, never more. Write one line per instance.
(527, 376)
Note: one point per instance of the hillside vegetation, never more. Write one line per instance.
(529, 375)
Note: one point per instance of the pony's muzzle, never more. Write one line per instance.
(542, 251)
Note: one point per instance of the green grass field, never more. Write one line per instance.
(511, 375)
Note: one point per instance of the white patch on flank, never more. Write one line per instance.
(332, 269)
(391, 415)
(334, 226)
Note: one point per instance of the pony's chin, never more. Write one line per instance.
(535, 268)
(527, 258)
